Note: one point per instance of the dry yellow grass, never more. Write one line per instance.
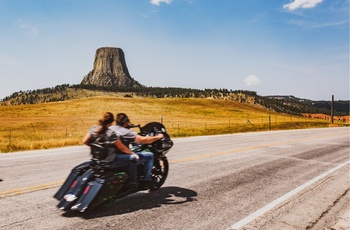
(48, 125)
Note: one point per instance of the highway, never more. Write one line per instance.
(293, 179)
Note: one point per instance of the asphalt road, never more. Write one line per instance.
(296, 179)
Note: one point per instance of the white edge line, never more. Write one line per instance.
(274, 203)
(41, 155)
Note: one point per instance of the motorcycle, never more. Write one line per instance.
(93, 183)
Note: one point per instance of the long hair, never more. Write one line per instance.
(107, 119)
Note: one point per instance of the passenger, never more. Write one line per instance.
(128, 136)
(118, 154)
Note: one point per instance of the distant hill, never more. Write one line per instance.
(282, 104)
(341, 107)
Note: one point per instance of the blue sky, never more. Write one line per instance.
(285, 47)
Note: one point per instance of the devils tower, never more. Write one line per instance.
(109, 69)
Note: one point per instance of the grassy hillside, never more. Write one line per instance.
(56, 124)
(282, 104)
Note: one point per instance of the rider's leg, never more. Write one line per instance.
(147, 158)
(122, 160)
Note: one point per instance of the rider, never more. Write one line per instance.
(128, 136)
(102, 133)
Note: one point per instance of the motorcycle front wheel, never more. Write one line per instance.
(159, 172)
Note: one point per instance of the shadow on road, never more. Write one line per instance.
(140, 201)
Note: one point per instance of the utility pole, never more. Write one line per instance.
(332, 110)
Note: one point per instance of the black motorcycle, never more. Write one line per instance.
(93, 183)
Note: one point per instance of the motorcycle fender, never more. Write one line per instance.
(89, 194)
(75, 173)
(76, 190)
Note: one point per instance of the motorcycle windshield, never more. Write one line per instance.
(153, 125)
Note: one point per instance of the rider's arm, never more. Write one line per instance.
(86, 139)
(124, 149)
(148, 139)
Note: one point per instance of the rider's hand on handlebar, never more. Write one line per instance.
(136, 156)
(160, 135)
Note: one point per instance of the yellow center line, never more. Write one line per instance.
(29, 189)
(182, 160)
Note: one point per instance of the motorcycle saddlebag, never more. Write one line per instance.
(76, 190)
(76, 171)
(99, 191)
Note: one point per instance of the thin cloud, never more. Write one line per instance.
(297, 22)
(26, 26)
(331, 24)
(157, 2)
(312, 25)
(252, 80)
(302, 4)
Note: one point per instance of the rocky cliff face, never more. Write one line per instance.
(109, 69)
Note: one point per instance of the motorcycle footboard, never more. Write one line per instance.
(87, 199)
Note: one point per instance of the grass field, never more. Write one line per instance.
(48, 125)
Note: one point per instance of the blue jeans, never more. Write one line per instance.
(122, 160)
(147, 158)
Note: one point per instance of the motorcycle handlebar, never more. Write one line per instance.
(135, 126)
